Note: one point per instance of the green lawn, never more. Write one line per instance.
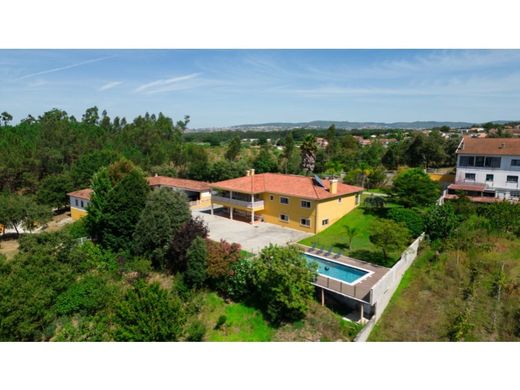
(243, 323)
(362, 248)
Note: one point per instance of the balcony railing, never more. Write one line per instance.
(256, 205)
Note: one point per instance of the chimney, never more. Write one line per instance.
(248, 172)
(333, 186)
(252, 172)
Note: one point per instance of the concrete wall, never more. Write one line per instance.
(384, 289)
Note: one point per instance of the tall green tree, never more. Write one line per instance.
(389, 236)
(53, 190)
(164, 214)
(233, 149)
(308, 151)
(281, 280)
(118, 199)
(196, 267)
(414, 188)
(149, 313)
(265, 160)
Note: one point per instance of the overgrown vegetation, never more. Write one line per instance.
(465, 285)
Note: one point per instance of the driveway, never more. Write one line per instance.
(251, 238)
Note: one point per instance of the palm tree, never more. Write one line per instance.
(308, 152)
(350, 232)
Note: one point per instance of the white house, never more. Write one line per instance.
(488, 169)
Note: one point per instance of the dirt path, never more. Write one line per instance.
(9, 248)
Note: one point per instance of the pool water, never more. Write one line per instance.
(335, 270)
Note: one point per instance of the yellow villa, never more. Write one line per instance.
(298, 202)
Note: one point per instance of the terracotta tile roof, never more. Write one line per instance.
(186, 184)
(81, 194)
(490, 146)
(467, 187)
(292, 185)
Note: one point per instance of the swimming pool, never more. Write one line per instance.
(335, 270)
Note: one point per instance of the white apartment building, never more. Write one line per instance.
(488, 169)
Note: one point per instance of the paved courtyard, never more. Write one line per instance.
(252, 238)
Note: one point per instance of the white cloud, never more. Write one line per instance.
(165, 84)
(110, 85)
(59, 69)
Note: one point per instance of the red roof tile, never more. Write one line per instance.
(292, 185)
(477, 199)
(82, 194)
(467, 187)
(490, 146)
(186, 184)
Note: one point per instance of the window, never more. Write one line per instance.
(284, 200)
(515, 194)
(271, 197)
(493, 162)
(77, 203)
(512, 179)
(306, 204)
(489, 177)
(82, 205)
(325, 222)
(339, 200)
(467, 161)
(479, 161)
(305, 222)
(515, 163)
(470, 176)
(284, 218)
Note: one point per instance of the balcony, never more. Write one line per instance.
(226, 201)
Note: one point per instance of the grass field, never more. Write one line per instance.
(455, 294)
(362, 248)
(245, 323)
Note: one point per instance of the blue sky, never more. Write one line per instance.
(229, 87)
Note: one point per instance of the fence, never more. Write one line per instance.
(383, 290)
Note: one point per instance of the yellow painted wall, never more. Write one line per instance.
(334, 210)
(273, 209)
(77, 213)
(442, 177)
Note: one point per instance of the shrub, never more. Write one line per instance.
(503, 217)
(196, 268)
(176, 257)
(196, 331)
(237, 285)
(85, 296)
(281, 280)
(220, 322)
(149, 313)
(440, 221)
(409, 217)
(221, 257)
(374, 202)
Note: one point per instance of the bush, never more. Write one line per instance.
(86, 296)
(176, 257)
(221, 257)
(237, 284)
(196, 268)
(281, 281)
(220, 322)
(149, 313)
(196, 331)
(440, 221)
(412, 219)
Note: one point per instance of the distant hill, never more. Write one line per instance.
(355, 125)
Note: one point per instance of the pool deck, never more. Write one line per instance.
(359, 290)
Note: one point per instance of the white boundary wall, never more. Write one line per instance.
(383, 290)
